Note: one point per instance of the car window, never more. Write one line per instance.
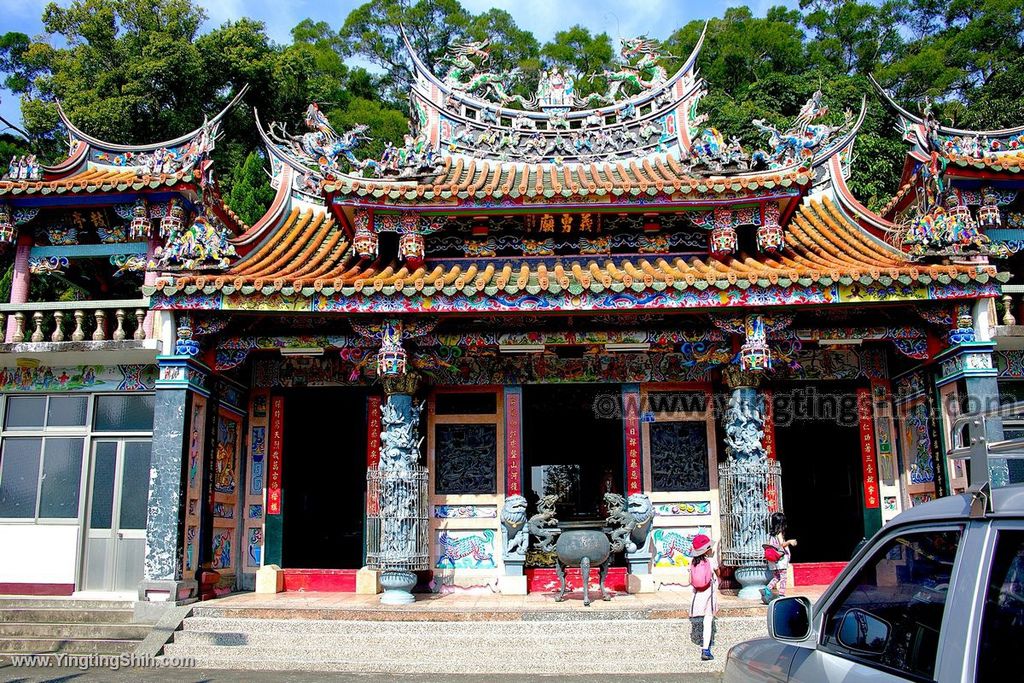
(1002, 622)
(890, 615)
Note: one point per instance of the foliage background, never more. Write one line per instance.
(141, 71)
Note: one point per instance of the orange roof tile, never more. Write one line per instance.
(90, 180)
(310, 251)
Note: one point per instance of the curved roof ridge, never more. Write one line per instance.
(180, 140)
(421, 69)
(945, 130)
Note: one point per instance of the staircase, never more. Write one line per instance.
(67, 626)
(563, 642)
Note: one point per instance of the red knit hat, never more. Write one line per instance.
(701, 544)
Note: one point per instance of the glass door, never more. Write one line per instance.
(115, 545)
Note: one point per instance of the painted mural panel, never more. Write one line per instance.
(227, 448)
(466, 549)
(917, 440)
(695, 508)
(79, 378)
(672, 546)
(194, 483)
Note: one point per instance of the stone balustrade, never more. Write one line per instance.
(74, 321)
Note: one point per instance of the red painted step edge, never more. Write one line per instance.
(37, 588)
(322, 580)
(816, 573)
(546, 580)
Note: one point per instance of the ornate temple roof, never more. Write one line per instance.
(317, 247)
(93, 164)
(643, 135)
(998, 150)
(828, 260)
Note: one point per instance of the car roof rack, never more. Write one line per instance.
(970, 435)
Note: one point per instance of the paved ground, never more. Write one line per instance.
(55, 675)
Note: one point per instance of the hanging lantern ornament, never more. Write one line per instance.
(411, 248)
(392, 357)
(769, 233)
(6, 224)
(139, 226)
(174, 221)
(365, 243)
(755, 354)
(988, 213)
(364, 240)
(723, 234)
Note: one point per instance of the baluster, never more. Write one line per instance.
(1008, 318)
(79, 333)
(140, 324)
(58, 326)
(19, 327)
(37, 333)
(100, 333)
(119, 331)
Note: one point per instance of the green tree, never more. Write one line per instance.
(582, 54)
(854, 37)
(250, 193)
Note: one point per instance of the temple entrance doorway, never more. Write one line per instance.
(571, 450)
(817, 440)
(324, 478)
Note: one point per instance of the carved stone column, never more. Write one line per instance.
(401, 546)
(744, 481)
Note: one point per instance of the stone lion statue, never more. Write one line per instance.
(641, 510)
(514, 532)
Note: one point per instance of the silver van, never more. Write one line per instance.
(936, 595)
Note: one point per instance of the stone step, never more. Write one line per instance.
(554, 647)
(482, 663)
(509, 629)
(56, 645)
(46, 602)
(65, 615)
(51, 630)
(572, 612)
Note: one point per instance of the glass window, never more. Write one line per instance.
(103, 470)
(62, 475)
(19, 477)
(124, 413)
(1002, 623)
(25, 412)
(135, 485)
(890, 615)
(66, 411)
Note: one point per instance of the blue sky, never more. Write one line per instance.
(656, 18)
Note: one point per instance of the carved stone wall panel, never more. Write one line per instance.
(679, 456)
(465, 459)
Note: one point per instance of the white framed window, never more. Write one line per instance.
(43, 445)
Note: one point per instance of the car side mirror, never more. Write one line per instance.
(862, 631)
(789, 618)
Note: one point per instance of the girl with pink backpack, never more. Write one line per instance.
(704, 581)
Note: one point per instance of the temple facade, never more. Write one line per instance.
(539, 301)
